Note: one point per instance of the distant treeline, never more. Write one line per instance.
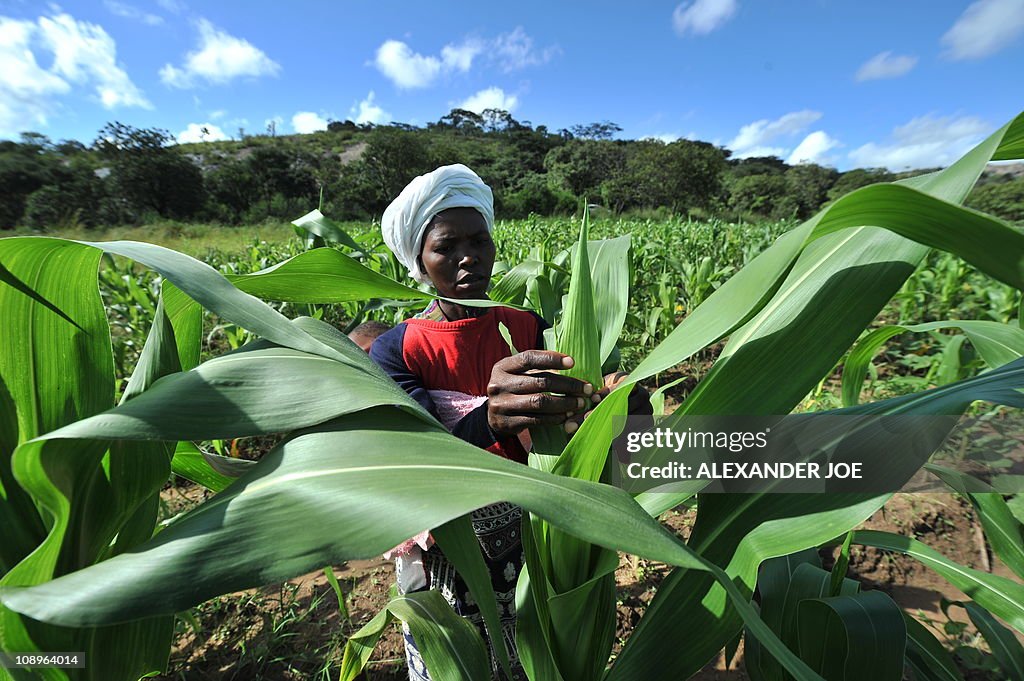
(137, 175)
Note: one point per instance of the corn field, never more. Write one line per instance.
(95, 418)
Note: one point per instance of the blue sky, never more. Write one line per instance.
(905, 83)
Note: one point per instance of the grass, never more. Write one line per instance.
(196, 240)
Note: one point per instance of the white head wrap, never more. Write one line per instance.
(405, 221)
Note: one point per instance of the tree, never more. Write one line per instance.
(757, 165)
(680, 175)
(24, 168)
(808, 184)
(764, 195)
(391, 159)
(1005, 199)
(857, 178)
(463, 121)
(605, 130)
(581, 166)
(148, 175)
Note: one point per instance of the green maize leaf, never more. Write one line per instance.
(360, 645)
(840, 568)
(739, 531)
(774, 581)
(323, 275)
(332, 579)
(578, 334)
(240, 394)
(848, 638)
(92, 494)
(610, 273)
(9, 278)
(354, 472)
(511, 288)
(159, 356)
(926, 657)
(1001, 596)
(23, 526)
(533, 616)
(842, 268)
(826, 630)
(542, 298)
(1004, 645)
(1003, 531)
(192, 464)
(451, 646)
(658, 396)
(993, 247)
(40, 369)
(314, 222)
(462, 548)
(186, 317)
(949, 360)
(832, 290)
(583, 619)
(996, 343)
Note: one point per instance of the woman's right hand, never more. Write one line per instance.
(517, 392)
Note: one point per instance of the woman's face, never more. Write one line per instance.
(458, 254)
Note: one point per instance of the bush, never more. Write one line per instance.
(1005, 200)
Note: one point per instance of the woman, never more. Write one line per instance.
(453, 360)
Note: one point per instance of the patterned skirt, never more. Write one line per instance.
(497, 528)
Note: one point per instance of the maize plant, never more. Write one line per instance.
(85, 569)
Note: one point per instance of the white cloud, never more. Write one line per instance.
(885, 65)
(985, 27)
(460, 57)
(25, 87)
(367, 111)
(514, 51)
(130, 12)
(813, 149)
(219, 58)
(924, 142)
(753, 138)
(172, 6)
(702, 16)
(409, 69)
(491, 98)
(306, 121)
(406, 68)
(83, 54)
(201, 132)
(218, 114)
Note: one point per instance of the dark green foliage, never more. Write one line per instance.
(757, 165)
(24, 168)
(763, 196)
(133, 175)
(75, 196)
(581, 166)
(857, 178)
(681, 175)
(1004, 199)
(808, 184)
(148, 176)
